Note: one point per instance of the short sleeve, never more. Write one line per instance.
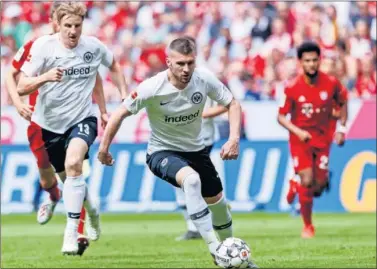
(286, 102)
(35, 59)
(107, 56)
(216, 90)
(139, 98)
(21, 55)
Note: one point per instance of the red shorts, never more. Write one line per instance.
(37, 145)
(306, 156)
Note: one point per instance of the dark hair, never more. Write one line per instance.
(308, 47)
(183, 45)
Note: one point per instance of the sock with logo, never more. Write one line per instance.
(183, 208)
(306, 202)
(222, 219)
(198, 210)
(73, 196)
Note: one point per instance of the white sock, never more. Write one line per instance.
(73, 196)
(222, 219)
(198, 210)
(180, 197)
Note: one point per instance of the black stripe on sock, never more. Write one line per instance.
(200, 214)
(222, 227)
(72, 215)
(182, 207)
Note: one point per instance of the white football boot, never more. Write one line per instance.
(92, 225)
(70, 244)
(46, 211)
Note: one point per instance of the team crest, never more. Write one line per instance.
(323, 95)
(88, 57)
(197, 98)
(301, 98)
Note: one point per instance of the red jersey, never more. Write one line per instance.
(311, 106)
(18, 61)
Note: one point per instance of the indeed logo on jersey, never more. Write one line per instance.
(182, 118)
(82, 72)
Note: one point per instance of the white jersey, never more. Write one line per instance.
(62, 104)
(209, 126)
(175, 115)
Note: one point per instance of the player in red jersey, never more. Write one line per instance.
(309, 101)
(48, 180)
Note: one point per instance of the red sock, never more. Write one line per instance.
(306, 201)
(82, 221)
(54, 192)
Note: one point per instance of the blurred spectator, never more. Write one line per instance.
(250, 46)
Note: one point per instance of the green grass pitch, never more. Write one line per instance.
(148, 241)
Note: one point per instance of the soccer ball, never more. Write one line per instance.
(232, 253)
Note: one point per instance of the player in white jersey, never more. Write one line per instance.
(174, 100)
(65, 66)
(211, 110)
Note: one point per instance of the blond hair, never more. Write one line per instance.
(70, 8)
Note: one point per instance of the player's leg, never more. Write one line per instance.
(192, 232)
(175, 169)
(47, 179)
(303, 164)
(80, 138)
(321, 171)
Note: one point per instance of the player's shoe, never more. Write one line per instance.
(46, 211)
(251, 264)
(92, 225)
(83, 244)
(308, 232)
(189, 235)
(70, 243)
(292, 192)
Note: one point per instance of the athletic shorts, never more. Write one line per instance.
(166, 164)
(56, 144)
(305, 156)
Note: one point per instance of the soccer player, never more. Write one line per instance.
(211, 110)
(64, 67)
(174, 100)
(47, 180)
(309, 101)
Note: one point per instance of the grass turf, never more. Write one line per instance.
(148, 241)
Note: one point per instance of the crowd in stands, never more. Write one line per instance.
(250, 46)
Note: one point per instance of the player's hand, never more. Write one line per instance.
(304, 136)
(54, 74)
(24, 110)
(104, 120)
(230, 150)
(340, 138)
(105, 158)
(335, 113)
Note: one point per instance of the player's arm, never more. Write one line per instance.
(110, 131)
(214, 111)
(11, 85)
(341, 129)
(286, 106)
(99, 97)
(118, 78)
(29, 84)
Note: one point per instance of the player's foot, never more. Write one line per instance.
(46, 211)
(308, 232)
(251, 264)
(292, 191)
(189, 235)
(92, 225)
(70, 243)
(83, 244)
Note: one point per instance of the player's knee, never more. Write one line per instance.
(192, 183)
(214, 199)
(306, 178)
(73, 164)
